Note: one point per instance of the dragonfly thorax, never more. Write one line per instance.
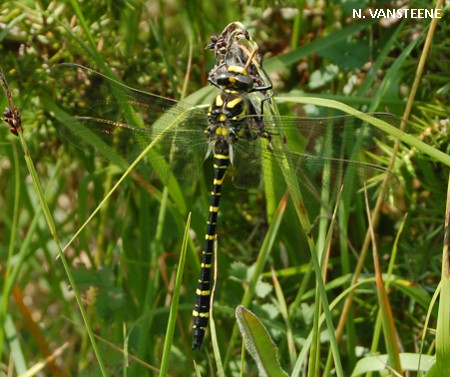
(227, 112)
(235, 79)
(226, 117)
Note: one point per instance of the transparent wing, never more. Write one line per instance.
(324, 154)
(319, 142)
(119, 122)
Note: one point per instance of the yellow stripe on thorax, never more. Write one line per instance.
(237, 69)
(231, 104)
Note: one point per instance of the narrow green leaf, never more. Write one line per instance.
(15, 348)
(175, 301)
(382, 125)
(260, 263)
(320, 44)
(51, 223)
(443, 323)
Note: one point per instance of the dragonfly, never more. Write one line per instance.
(119, 122)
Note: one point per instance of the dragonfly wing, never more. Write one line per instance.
(246, 171)
(129, 121)
(322, 156)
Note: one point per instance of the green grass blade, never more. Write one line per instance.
(382, 125)
(259, 265)
(171, 123)
(9, 277)
(378, 64)
(443, 323)
(320, 44)
(391, 75)
(93, 48)
(48, 217)
(297, 370)
(212, 321)
(51, 224)
(285, 314)
(387, 319)
(302, 216)
(17, 355)
(175, 301)
(388, 282)
(433, 301)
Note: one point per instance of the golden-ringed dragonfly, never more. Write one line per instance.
(231, 116)
(119, 122)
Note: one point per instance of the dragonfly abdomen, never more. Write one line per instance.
(203, 292)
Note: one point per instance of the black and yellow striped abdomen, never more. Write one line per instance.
(226, 122)
(203, 292)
